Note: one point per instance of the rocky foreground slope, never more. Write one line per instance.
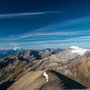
(12, 67)
(45, 80)
(68, 69)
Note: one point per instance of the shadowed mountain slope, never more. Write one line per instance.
(37, 81)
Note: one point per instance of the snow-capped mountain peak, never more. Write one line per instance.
(16, 48)
(76, 49)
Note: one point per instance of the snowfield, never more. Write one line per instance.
(46, 76)
(81, 51)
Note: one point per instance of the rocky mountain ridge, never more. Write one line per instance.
(67, 64)
(13, 65)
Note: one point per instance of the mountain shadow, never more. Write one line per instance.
(69, 83)
(6, 85)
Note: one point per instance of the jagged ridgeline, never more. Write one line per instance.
(13, 66)
(46, 69)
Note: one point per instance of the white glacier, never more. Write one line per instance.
(76, 49)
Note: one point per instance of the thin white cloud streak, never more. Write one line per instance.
(49, 34)
(65, 23)
(67, 45)
(76, 21)
(58, 26)
(76, 39)
(52, 28)
(27, 14)
(23, 36)
(82, 41)
(59, 45)
(42, 32)
(14, 44)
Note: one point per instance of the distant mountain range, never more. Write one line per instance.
(15, 48)
(5, 53)
(46, 69)
(12, 51)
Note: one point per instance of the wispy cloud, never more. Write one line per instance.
(78, 41)
(14, 44)
(75, 39)
(80, 37)
(55, 45)
(27, 14)
(57, 29)
(76, 21)
(53, 29)
(44, 35)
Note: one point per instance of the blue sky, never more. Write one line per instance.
(44, 23)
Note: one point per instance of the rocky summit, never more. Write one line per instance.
(48, 69)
